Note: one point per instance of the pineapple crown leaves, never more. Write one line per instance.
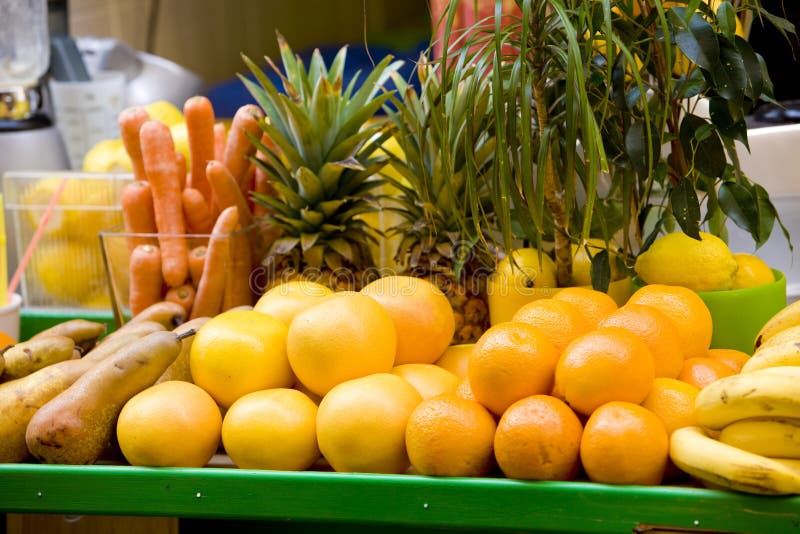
(323, 160)
(443, 135)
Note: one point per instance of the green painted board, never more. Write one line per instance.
(33, 321)
(387, 501)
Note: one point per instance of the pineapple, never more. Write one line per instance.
(322, 166)
(445, 143)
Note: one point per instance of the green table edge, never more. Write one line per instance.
(399, 500)
(34, 320)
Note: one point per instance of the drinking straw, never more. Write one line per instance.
(37, 236)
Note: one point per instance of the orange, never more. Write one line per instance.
(361, 424)
(672, 400)
(286, 300)
(623, 443)
(735, 359)
(421, 313)
(272, 429)
(171, 424)
(450, 436)
(456, 358)
(686, 310)
(701, 371)
(656, 330)
(6, 340)
(428, 379)
(511, 361)
(560, 321)
(538, 438)
(347, 335)
(238, 352)
(594, 305)
(607, 364)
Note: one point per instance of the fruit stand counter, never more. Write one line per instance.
(291, 500)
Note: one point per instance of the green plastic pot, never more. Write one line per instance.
(739, 314)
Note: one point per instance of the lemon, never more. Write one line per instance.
(238, 352)
(180, 136)
(679, 260)
(582, 263)
(752, 272)
(272, 429)
(171, 424)
(514, 284)
(108, 155)
(68, 271)
(286, 300)
(164, 111)
(85, 207)
(428, 379)
(455, 359)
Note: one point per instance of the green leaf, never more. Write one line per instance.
(706, 155)
(719, 111)
(726, 18)
(600, 271)
(637, 147)
(739, 204)
(312, 217)
(698, 42)
(766, 215)
(729, 75)
(290, 196)
(752, 68)
(283, 245)
(308, 240)
(686, 207)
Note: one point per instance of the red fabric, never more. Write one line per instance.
(469, 12)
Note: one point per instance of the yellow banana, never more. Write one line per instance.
(790, 334)
(786, 353)
(785, 318)
(775, 438)
(722, 465)
(772, 392)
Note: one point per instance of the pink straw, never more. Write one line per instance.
(37, 236)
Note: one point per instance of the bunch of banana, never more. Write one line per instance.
(748, 438)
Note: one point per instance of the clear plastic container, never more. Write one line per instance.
(24, 42)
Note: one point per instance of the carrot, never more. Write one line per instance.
(199, 116)
(180, 159)
(130, 121)
(197, 258)
(183, 295)
(238, 147)
(227, 192)
(211, 289)
(138, 217)
(146, 282)
(196, 212)
(220, 138)
(237, 278)
(161, 166)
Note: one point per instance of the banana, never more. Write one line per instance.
(772, 392)
(790, 334)
(26, 357)
(785, 318)
(774, 355)
(775, 438)
(722, 465)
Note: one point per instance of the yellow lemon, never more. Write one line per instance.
(582, 262)
(108, 155)
(68, 271)
(272, 429)
(361, 424)
(238, 352)
(164, 111)
(286, 300)
(516, 283)
(180, 137)
(752, 272)
(171, 424)
(679, 260)
(345, 336)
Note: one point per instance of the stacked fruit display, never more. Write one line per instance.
(574, 387)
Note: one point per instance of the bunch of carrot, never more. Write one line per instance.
(171, 203)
